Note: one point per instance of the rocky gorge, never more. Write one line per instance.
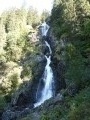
(23, 100)
(46, 76)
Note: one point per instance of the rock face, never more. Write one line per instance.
(59, 71)
(58, 66)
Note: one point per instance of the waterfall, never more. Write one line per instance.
(44, 29)
(48, 47)
(46, 92)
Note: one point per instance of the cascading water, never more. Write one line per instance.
(48, 47)
(47, 91)
(44, 29)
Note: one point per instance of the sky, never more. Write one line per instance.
(40, 5)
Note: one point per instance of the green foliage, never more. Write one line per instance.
(77, 64)
(80, 106)
(2, 102)
(13, 50)
(45, 15)
(77, 108)
(15, 20)
(71, 13)
(33, 17)
(53, 115)
(2, 42)
(10, 85)
(70, 21)
(86, 29)
(14, 81)
(7, 89)
(15, 46)
(27, 72)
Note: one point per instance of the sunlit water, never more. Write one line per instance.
(44, 29)
(48, 78)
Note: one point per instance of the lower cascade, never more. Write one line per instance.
(46, 92)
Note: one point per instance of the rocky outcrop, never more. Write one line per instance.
(33, 114)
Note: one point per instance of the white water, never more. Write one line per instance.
(44, 29)
(48, 47)
(48, 79)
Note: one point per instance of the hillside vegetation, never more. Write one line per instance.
(70, 29)
(70, 23)
(17, 46)
(70, 26)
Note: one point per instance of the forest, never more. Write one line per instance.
(69, 23)
(16, 28)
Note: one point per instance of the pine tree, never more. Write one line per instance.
(82, 8)
(45, 15)
(32, 16)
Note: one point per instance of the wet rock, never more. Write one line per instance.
(45, 49)
(59, 74)
(58, 98)
(53, 101)
(9, 115)
(14, 115)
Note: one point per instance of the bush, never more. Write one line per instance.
(14, 81)
(2, 102)
(80, 106)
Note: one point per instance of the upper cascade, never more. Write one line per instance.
(44, 29)
(48, 47)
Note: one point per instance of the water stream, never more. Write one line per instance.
(46, 92)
